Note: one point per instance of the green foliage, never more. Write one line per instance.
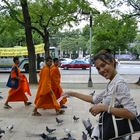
(112, 33)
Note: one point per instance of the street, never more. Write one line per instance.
(121, 68)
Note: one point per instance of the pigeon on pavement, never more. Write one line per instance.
(84, 136)
(88, 126)
(2, 131)
(59, 121)
(10, 127)
(75, 118)
(50, 130)
(69, 137)
(92, 93)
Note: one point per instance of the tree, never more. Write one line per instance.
(113, 33)
(73, 42)
(29, 40)
(47, 20)
(11, 33)
(26, 22)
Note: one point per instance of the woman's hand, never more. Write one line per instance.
(96, 109)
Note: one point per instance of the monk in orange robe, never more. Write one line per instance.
(18, 94)
(45, 97)
(56, 79)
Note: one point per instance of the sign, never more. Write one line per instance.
(20, 51)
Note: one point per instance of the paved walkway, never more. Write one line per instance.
(25, 124)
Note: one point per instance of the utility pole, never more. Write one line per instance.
(90, 84)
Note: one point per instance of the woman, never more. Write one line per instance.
(18, 94)
(106, 66)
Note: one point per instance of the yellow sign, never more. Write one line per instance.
(20, 51)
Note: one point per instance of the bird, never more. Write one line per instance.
(84, 136)
(59, 121)
(66, 130)
(10, 127)
(75, 118)
(50, 138)
(46, 137)
(92, 93)
(2, 131)
(88, 126)
(50, 130)
(69, 137)
(43, 135)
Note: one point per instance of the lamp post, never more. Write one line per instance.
(90, 84)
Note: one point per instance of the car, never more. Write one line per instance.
(64, 60)
(76, 64)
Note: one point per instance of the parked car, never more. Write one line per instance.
(65, 60)
(76, 64)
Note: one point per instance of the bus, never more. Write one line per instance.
(7, 54)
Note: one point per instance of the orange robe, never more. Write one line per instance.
(55, 81)
(45, 97)
(18, 94)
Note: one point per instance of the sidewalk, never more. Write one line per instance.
(25, 124)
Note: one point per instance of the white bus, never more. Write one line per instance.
(7, 54)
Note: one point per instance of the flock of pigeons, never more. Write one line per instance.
(47, 136)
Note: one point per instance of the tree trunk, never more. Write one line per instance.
(46, 43)
(29, 41)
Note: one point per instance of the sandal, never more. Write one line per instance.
(28, 103)
(7, 106)
(36, 114)
(60, 112)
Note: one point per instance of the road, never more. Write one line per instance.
(121, 68)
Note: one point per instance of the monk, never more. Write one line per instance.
(55, 80)
(18, 94)
(45, 97)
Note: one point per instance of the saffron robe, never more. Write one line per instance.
(18, 94)
(45, 98)
(56, 85)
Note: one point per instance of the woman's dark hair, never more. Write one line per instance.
(105, 56)
(15, 59)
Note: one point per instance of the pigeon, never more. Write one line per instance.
(43, 135)
(84, 136)
(50, 130)
(46, 137)
(2, 131)
(88, 126)
(10, 127)
(59, 121)
(92, 93)
(75, 118)
(50, 138)
(66, 130)
(69, 137)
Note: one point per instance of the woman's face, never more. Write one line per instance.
(106, 69)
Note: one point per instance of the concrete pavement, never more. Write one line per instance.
(25, 124)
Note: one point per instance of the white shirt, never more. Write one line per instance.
(42, 64)
(122, 97)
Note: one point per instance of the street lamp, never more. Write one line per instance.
(90, 84)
